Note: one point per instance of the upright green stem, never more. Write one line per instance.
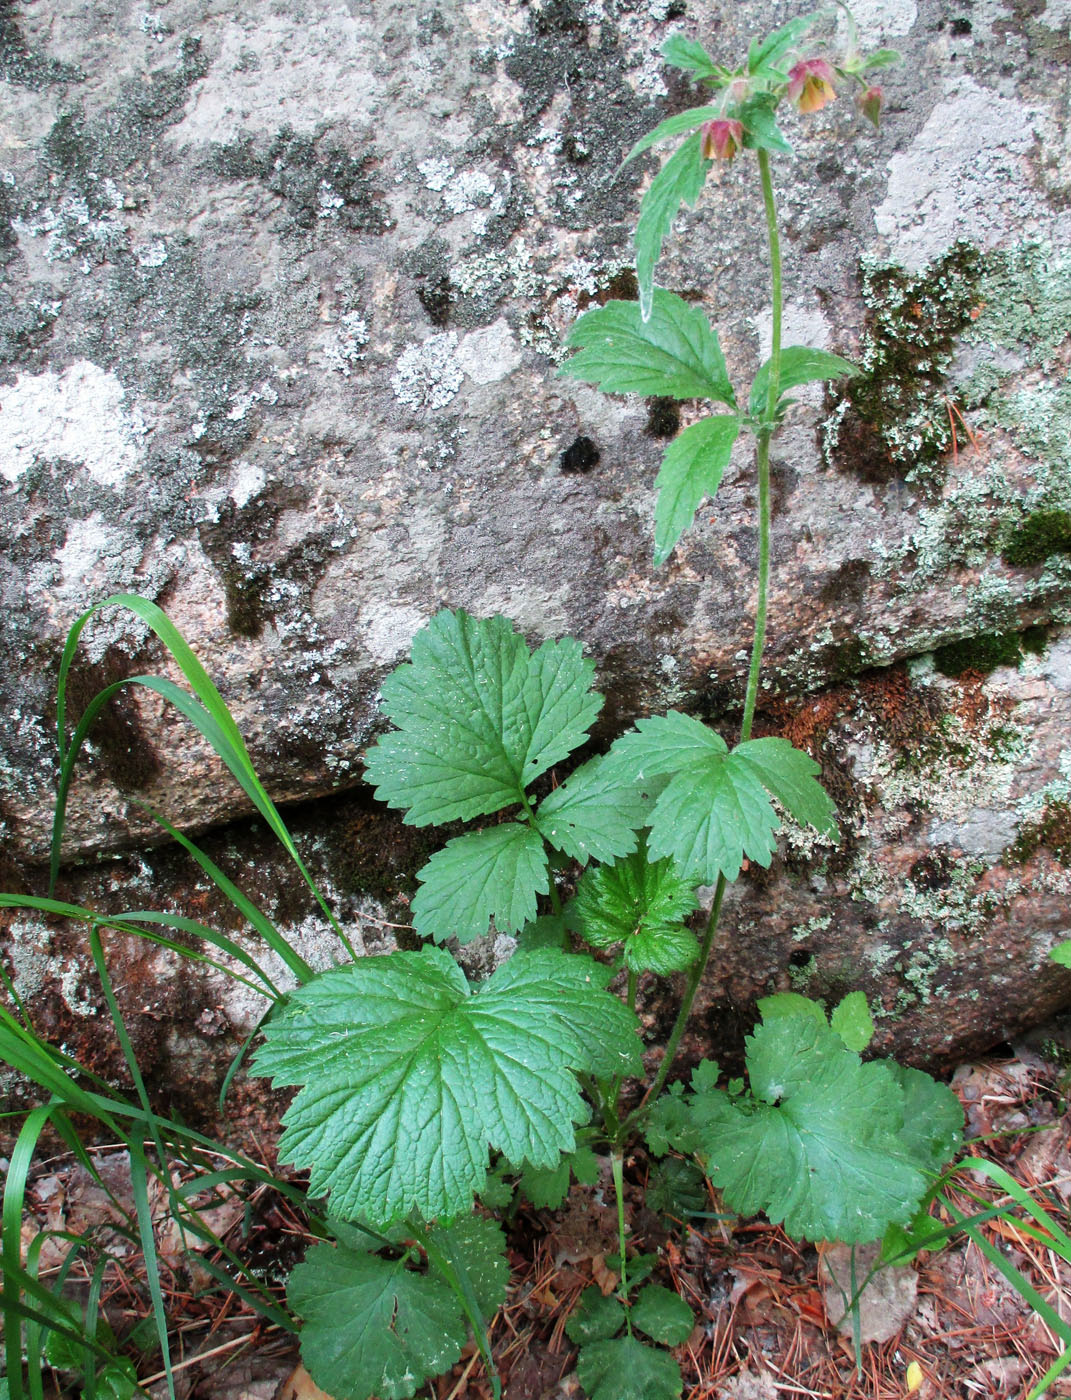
(762, 460)
(617, 1167)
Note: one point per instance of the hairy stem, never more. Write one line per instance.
(762, 462)
(617, 1166)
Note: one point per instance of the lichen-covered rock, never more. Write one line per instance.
(284, 292)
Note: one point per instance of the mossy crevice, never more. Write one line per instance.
(1037, 537)
(894, 419)
(984, 653)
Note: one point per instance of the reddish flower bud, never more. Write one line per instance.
(810, 84)
(870, 103)
(721, 138)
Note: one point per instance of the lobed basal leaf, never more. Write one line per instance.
(478, 717)
(483, 875)
(410, 1075)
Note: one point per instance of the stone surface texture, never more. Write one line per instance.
(284, 292)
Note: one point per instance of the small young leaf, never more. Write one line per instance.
(594, 815)
(410, 1075)
(765, 55)
(852, 1021)
(676, 1188)
(680, 181)
(1062, 953)
(675, 353)
(901, 1246)
(595, 1318)
(690, 55)
(705, 1076)
(476, 1247)
(799, 365)
(691, 469)
(881, 58)
(640, 1266)
(548, 931)
(497, 1193)
(673, 126)
(669, 1123)
(547, 1187)
(641, 904)
(761, 132)
(478, 717)
(663, 1315)
(483, 875)
(790, 1004)
(372, 1326)
(626, 1369)
(820, 1147)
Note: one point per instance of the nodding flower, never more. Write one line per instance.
(810, 84)
(870, 103)
(722, 138)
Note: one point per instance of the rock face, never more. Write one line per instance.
(284, 295)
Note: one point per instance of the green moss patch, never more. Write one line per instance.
(982, 654)
(1052, 830)
(1033, 540)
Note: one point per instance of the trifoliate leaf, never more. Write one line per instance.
(594, 815)
(799, 365)
(765, 55)
(663, 1315)
(676, 1188)
(410, 1074)
(691, 469)
(641, 904)
(933, 1118)
(673, 126)
(790, 1004)
(669, 1123)
(852, 1021)
(595, 1318)
(372, 1326)
(676, 353)
(705, 1076)
(690, 55)
(820, 1147)
(476, 1249)
(483, 875)
(680, 181)
(478, 717)
(625, 1369)
(761, 132)
(716, 808)
(497, 1193)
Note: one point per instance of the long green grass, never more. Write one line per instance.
(41, 1319)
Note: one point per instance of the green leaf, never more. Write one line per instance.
(548, 931)
(669, 1123)
(640, 1266)
(901, 1246)
(476, 1247)
(799, 365)
(676, 1188)
(691, 469)
(852, 1021)
(663, 1315)
(716, 809)
(690, 55)
(680, 181)
(820, 1147)
(790, 1004)
(594, 815)
(478, 717)
(410, 1074)
(483, 875)
(673, 126)
(497, 1193)
(595, 1318)
(765, 56)
(675, 353)
(641, 904)
(881, 58)
(547, 1187)
(1062, 953)
(625, 1369)
(933, 1118)
(372, 1326)
(761, 132)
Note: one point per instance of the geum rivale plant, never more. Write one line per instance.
(415, 1084)
(420, 1092)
